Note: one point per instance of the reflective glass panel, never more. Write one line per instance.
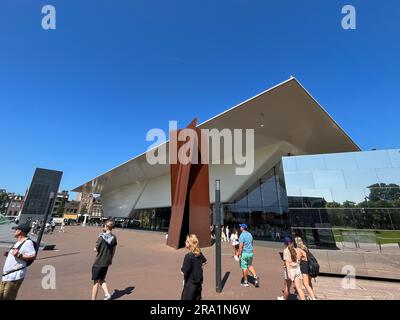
(329, 179)
(299, 180)
(389, 175)
(373, 159)
(340, 161)
(320, 196)
(362, 178)
(348, 197)
(394, 156)
(310, 163)
(289, 164)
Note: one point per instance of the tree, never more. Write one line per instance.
(3, 201)
(83, 210)
(61, 208)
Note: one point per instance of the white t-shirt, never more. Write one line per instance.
(13, 263)
(234, 239)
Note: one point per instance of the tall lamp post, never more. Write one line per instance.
(39, 239)
(217, 228)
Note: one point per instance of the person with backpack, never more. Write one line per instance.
(308, 267)
(292, 257)
(105, 248)
(21, 255)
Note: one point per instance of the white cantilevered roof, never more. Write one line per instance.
(285, 112)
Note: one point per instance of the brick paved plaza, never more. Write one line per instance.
(145, 268)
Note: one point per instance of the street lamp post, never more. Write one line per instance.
(217, 228)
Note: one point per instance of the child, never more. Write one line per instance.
(235, 243)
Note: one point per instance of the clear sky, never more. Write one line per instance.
(81, 98)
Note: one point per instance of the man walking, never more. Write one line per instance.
(105, 248)
(245, 254)
(14, 270)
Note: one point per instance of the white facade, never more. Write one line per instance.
(286, 119)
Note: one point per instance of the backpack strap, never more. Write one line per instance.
(20, 246)
(21, 268)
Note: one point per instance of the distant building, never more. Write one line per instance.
(86, 202)
(59, 204)
(71, 210)
(90, 205)
(71, 207)
(14, 204)
(97, 208)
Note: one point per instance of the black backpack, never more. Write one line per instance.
(313, 265)
(29, 262)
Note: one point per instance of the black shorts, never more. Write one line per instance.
(304, 267)
(99, 273)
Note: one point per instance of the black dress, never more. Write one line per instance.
(192, 269)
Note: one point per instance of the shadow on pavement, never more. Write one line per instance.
(120, 293)
(224, 279)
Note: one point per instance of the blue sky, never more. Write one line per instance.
(81, 98)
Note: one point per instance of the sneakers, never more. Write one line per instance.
(257, 282)
(280, 298)
(108, 297)
(236, 258)
(244, 284)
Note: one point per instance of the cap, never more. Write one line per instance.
(243, 225)
(287, 240)
(25, 228)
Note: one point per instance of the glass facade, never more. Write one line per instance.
(345, 199)
(156, 219)
(334, 201)
(264, 207)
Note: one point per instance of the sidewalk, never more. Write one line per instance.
(145, 268)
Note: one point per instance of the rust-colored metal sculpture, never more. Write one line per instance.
(190, 197)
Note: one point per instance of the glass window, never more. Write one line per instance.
(384, 197)
(320, 196)
(340, 161)
(269, 193)
(362, 178)
(341, 218)
(376, 219)
(293, 192)
(310, 163)
(373, 159)
(301, 218)
(241, 205)
(329, 179)
(389, 175)
(289, 164)
(254, 197)
(299, 180)
(348, 197)
(394, 216)
(394, 156)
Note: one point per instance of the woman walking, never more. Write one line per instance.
(304, 267)
(192, 270)
(292, 257)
